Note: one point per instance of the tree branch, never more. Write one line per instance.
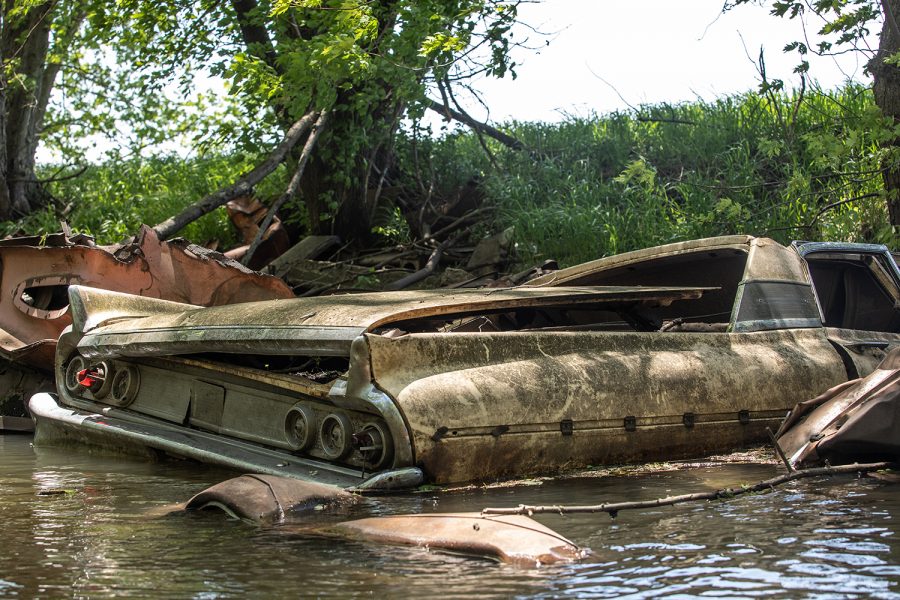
(833, 205)
(614, 507)
(433, 261)
(449, 113)
(242, 186)
(292, 188)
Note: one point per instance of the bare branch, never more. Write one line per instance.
(433, 261)
(292, 188)
(242, 186)
(614, 507)
(448, 113)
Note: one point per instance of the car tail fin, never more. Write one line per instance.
(92, 307)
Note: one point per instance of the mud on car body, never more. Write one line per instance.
(670, 352)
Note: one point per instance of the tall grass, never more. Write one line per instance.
(784, 166)
(789, 167)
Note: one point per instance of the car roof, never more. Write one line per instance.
(562, 276)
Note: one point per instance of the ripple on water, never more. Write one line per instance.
(832, 538)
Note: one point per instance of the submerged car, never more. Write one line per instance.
(671, 352)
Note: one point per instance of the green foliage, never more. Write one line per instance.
(111, 201)
(131, 70)
(772, 164)
(804, 168)
(843, 22)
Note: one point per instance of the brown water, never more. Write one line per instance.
(823, 538)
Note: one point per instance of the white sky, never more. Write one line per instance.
(650, 51)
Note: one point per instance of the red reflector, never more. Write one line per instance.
(86, 377)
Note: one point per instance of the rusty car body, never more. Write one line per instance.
(35, 274)
(856, 421)
(671, 352)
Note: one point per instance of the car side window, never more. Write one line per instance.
(856, 291)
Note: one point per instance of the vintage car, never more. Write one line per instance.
(678, 351)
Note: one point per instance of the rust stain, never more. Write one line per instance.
(34, 302)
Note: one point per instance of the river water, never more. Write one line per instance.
(101, 535)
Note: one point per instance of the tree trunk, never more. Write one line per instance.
(25, 42)
(351, 203)
(5, 205)
(335, 203)
(887, 97)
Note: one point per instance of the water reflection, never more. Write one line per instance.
(824, 538)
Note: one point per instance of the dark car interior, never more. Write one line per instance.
(856, 291)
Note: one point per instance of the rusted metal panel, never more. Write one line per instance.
(516, 540)
(34, 304)
(488, 405)
(269, 498)
(853, 422)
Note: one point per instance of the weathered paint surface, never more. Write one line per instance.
(770, 261)
(324, 326)
(517, 540)
(269, 499)
(573, 275)
(482, 406)
(857, 421)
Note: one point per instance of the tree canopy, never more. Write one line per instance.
(134, 71)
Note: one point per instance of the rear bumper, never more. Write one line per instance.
(133, 434)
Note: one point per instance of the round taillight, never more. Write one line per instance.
(125, 385)
(300, 427)
(375, 445)
(336, 436)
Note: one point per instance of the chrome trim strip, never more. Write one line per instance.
(320, 341)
